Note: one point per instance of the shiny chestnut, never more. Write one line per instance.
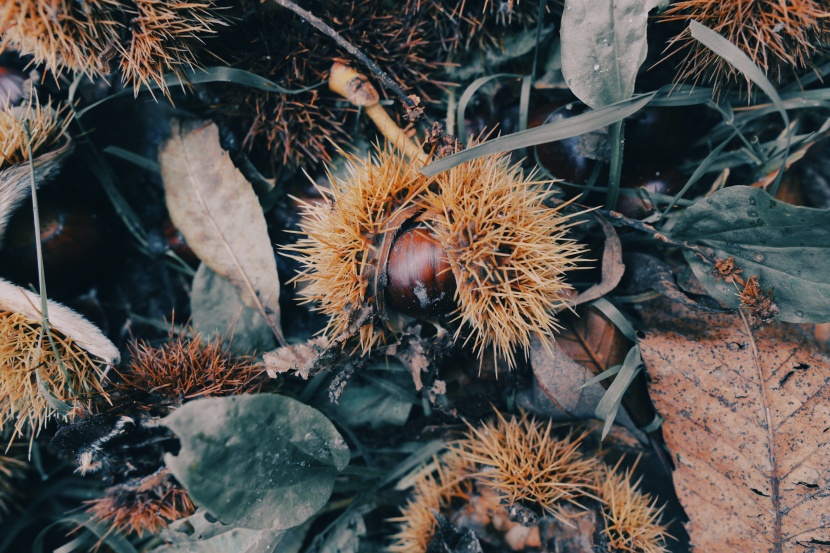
(564, 159)
(654, 179)
(72, 237)
(420, 281)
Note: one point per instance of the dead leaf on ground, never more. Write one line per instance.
(612, 264)
(556, 392)
(219, 215)
(747, 420)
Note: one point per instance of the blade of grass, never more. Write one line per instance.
(467, 96)
(609, 405)
(565, 128)
(223, 74)
(734, 56)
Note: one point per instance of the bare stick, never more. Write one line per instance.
(321, 26)
(357, 89)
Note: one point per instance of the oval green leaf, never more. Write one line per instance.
(264, 461)
(786, 246)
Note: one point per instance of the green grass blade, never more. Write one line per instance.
(566, 128)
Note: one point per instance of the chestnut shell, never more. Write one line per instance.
(420, 283)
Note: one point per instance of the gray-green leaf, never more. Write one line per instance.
(603, 46)
(217, 308)
(264, 461)
(786, 246)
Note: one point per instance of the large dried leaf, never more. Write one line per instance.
(15, 181)
(747, 420)
(219, 214)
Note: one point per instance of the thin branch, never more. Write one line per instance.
(620, 220)
(324, 28)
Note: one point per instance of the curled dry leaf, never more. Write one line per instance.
(219, 214)
(612, 264)
(556, 391)
(747, 420)
(15, 183)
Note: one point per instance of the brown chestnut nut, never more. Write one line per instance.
(663, 132)
(72, 237)
(564, 159)
(177, 242)
(664, 180)
(420, 282)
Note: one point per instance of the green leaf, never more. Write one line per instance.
(263, 462)
(786, 246)
(609, 405)
(200, 533)
(367, 402)
(217, 309)
(603, 47)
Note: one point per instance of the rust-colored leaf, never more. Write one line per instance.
(747, 420)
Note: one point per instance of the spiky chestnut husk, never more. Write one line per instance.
(305, 129)
(632, 519)
(142, 506)
(144, 38)
(527, 467)
(455, 26)
(507, 250)
(45, 126)
(29, 364)
(184, 369)
(777, 36)
(63, 33)
(340, 236)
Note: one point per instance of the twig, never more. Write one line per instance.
(321, 26)
(620, 220)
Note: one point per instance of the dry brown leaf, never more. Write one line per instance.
(747, 420)
(15, 184)
(219, 215)
(556, 392)
(612, 264)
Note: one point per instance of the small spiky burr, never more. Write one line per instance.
(526, 464)
(144, 38)
(143, 505)
(632, 518)
(184, 369)
(777, 36)
(31, 124)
